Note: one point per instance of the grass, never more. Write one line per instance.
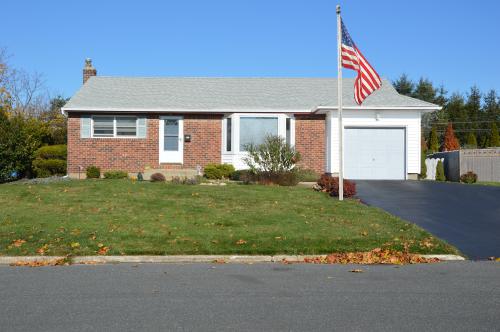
(488, 183)
(143, 218)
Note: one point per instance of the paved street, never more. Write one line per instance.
(453, 296)
(467, 216)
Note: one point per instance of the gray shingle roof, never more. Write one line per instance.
(294, 94)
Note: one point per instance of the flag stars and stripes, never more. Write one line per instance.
(367, 79)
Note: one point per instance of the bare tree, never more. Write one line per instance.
(26, 91)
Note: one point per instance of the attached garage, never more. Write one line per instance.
(375, 153)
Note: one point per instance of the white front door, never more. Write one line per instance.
(171, 139)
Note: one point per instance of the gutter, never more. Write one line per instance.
(317, 109)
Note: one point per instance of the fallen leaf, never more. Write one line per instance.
(357, 271)
(18, 243)
(241, 241)
(102, 250)
(42, 249)
(75, 245)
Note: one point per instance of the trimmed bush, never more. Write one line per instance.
(290, 178)
(469, 177)
(45, 168)
(50, 160)
(227, 170)
(93, 172)
(440, 171)
(115, 175)
(52, 152)
(330, 185)
(307, 175)
(211, 171)
(157, 177)
(218, 171)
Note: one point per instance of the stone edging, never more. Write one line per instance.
(6, 260)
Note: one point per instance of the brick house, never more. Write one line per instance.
(149, 124)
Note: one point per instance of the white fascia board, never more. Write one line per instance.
(425, 109)
(65, 110)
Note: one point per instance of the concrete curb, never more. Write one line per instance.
(7, 260)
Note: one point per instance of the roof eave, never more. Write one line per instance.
(425, 109)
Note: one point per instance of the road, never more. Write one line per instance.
(452, 296)
(466, 216)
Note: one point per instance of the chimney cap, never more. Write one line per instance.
(88, 63)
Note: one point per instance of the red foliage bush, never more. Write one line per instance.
(450, 140)
(330, 185)
(158, 177)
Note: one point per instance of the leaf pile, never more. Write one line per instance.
(47, 262)
(376, 256)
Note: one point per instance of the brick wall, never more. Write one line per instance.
(135, 154)
(310, 131)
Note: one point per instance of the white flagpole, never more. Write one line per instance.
(339, 92)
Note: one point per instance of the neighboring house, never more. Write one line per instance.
(137, 124)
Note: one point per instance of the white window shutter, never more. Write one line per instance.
(142, 126)
(85, 126)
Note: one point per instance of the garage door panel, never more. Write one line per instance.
(374, 153)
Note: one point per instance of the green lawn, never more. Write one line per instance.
(139, 218)
(488, 183)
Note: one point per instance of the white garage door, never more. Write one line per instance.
(374, 153)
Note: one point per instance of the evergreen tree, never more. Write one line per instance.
(491, 108)
(494, 137)
(473, 108)
(440, 176)
(404, 85)
(471, 140)
(441, 93)
(455, 108)
(425, 91)
(433, 141)
(450, 141)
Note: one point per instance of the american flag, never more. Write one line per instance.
(367, 80)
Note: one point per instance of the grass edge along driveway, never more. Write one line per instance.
(123, 217)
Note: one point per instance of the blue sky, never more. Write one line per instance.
(455, 43)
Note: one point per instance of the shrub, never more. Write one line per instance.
(188, 181)
(330, 185)
(307, 175)
(50, 160)
(48, 167)
(290, 178)
(157, 177)
(450, 140)
(440, 171)
(423, 166)
(211, 171)
(93, 172)
(52, 152)
(218, 171)
(274, 156)
(227, 170)
(469, 177)
(115, 175)
(243, 175)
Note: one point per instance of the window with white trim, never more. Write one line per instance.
(114, 126)
(253, 130)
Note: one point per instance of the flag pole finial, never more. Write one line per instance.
(338, 9)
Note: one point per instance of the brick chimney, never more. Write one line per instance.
(88, 70)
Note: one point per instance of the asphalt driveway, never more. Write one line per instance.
(467, 216)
